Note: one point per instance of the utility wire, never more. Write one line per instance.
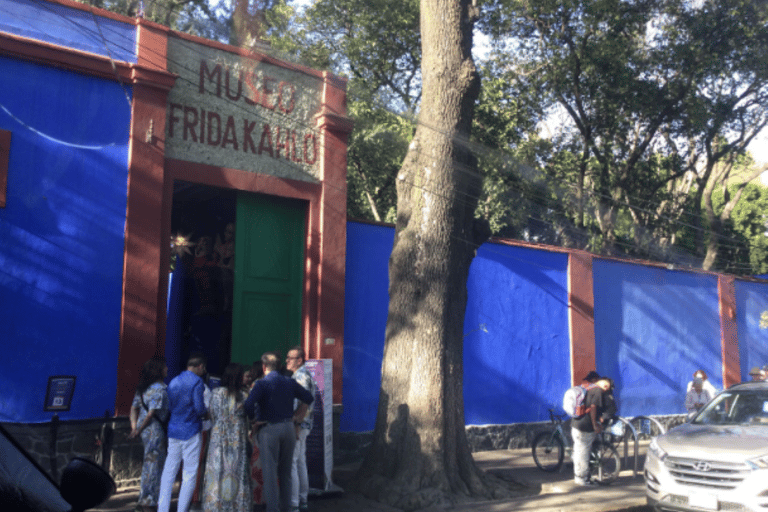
(466, 196)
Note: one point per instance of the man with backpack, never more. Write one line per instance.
(585, 427)
(573, 400)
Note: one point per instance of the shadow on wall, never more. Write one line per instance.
(654, 328)
(63, 238)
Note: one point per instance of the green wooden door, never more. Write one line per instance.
(269, 276)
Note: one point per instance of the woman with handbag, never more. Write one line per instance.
(149, 415)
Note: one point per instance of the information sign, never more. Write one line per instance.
(61, 389)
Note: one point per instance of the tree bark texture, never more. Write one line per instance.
(420, 456)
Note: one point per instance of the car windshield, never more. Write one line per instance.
(736, 408)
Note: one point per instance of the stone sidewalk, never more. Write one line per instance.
(549, 492)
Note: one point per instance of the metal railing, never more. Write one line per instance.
(647, 425)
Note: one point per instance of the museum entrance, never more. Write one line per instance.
(237, 278)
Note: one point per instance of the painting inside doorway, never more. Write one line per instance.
(202, 276)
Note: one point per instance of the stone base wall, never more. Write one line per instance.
(106, 442)
(353, 445)
(102, 441)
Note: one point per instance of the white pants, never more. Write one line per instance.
(189, 452)
(582, 443)
(299, 478)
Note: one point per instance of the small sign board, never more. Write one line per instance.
(320, 438)
(61, 389)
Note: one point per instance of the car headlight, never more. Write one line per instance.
(759, 462)
(656, 450)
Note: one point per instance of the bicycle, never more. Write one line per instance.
(549, 449)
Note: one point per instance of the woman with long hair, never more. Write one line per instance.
(149, 414)
(227, 485)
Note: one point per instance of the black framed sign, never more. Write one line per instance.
(61, 389)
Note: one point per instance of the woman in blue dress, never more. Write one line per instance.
(149, 415)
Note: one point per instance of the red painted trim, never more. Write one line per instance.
(240, 180)
(631, 261)
(85, 63)
(147, 251)
(5, 156)
(95, 10)
(52, 55)
(269, 185)
(729, 339)
(581, 313)
(150, 198)
(335, 126)
(260, 57)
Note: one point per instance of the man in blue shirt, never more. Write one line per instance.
(274, 395)
(185, 401)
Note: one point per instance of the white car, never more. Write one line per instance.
(718, 460)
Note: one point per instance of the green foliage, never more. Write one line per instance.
(658, 95)
(176, 14)
(744, 248)
(377, 148)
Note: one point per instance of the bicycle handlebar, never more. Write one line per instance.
(555, 417)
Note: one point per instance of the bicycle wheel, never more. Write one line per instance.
(548, 451)
(604, 463)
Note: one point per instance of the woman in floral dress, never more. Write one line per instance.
(227, 485)
(149, 413)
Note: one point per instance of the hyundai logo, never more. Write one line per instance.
(702, 466)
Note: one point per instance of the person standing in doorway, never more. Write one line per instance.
(185, 398)
(585, 428)
(274, 395)
(299, 477)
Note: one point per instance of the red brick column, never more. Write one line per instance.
(581, 314)
(334, 125)
(726, 290)
(147, 252)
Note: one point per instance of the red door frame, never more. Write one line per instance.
(150, 197)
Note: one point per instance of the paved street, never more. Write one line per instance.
(548, 492)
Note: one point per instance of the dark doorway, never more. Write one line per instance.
(201, 284)
(233, 301)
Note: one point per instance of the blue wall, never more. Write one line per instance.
(366, 300)
(517, 349)
(73, 28)
(516, 318)
(751, 301)
(653, 329)
(61, 256)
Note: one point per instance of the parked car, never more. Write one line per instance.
(718, 460)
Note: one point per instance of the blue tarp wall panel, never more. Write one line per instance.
(516, 346)
(516, 349)
(366, 299)
(653, 328)
(751, 301)
(73, 28)
(62, 233)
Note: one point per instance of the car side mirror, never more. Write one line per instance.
(84, 484)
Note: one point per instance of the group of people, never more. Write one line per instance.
(599, 411)
(700, 390)
(758, 374)
(274, 407)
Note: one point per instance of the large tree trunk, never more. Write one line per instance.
(420, 455)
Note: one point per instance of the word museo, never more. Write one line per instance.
(202, 126)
